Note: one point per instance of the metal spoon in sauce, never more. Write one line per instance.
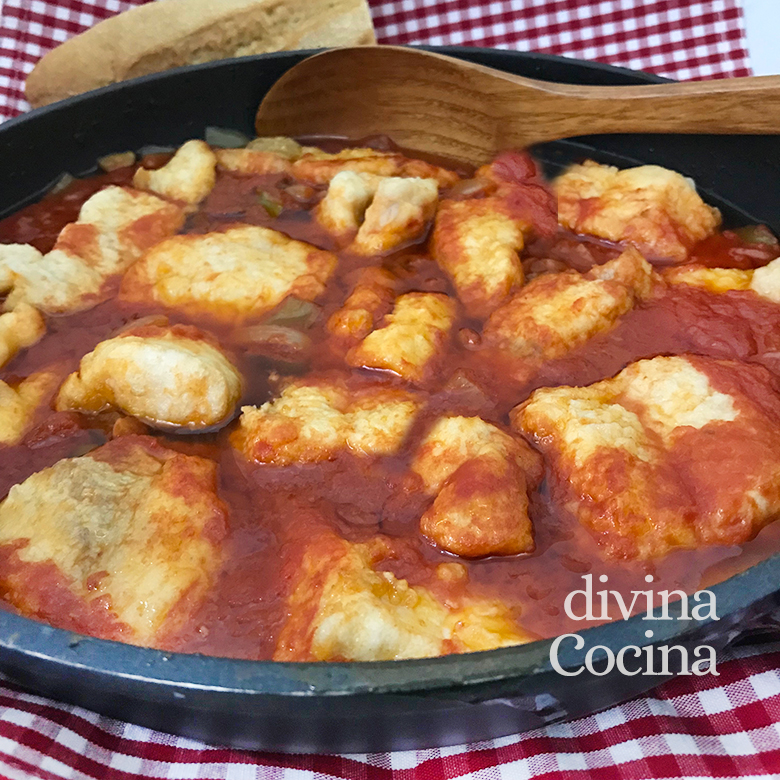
(456, 109)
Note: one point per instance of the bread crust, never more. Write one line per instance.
(171, 33)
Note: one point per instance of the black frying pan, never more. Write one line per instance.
(358, 707)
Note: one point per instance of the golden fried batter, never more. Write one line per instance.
(764, 281)
(320, 167)
(385, 212)
(343, 608)
(58, 282)
(115, 227)
(372, 296)
(672, 452)
(477, 243)
(18, 404)
(247, 162)
(314, 420)
(556, 312)
(655, 209)
(127, 538)
(19, 329)
(480, 477)
(716, 280)
(399, 214)
(415, 331)
(188, 176)
(239, 272)
(343, 208)
(167, 376)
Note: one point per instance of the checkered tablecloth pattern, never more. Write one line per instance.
(691, 727)
(676, 38)
(726, 726)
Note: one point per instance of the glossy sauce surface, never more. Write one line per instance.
(272, 509)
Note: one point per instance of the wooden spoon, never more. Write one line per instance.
(453, 108)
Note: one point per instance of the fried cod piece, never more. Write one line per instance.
(653, 208)
(414, 333)
(320, 167)
(115, 227)
(122, 543)
(372, 296)
(554, 313)
(343, 208)
(766, 281)
(343, 608)
(235, 273)
(19, 329)
(188, 176)
(672, 452)
(481, 477)
(477, 244)
(18, 404)
(313, 420)
(399, 214)
(59, 282)
(166, 376)
(248, 162)
(715, 280)
(385, 212)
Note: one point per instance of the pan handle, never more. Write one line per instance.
(764, 627)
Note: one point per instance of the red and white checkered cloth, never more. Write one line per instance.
(691, 727)
(726, 727)
(676, 38)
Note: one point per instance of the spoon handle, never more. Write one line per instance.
(739, 105)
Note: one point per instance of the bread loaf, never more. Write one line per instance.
(169, 33)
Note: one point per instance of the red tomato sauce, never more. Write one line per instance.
(271, 510)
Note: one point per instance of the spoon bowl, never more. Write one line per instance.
(457, 109)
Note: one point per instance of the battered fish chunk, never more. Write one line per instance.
(413, 336)
(18, 404)
(19, 329)
(320, 167)
(166, 376)
(239, 272)
(343, 608)
(373, 296)
(655, 209)
(188, 176)
(314, 420)
(115, 227)
(672, 452)
(343, 208)
(128, 223)
(764, 281)
(386, 212)
(480, 477)
(556, 312)
(122, 543)
(399, 214)
(477, 244)
(59, 282)
(247, 162)
(715, 280)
